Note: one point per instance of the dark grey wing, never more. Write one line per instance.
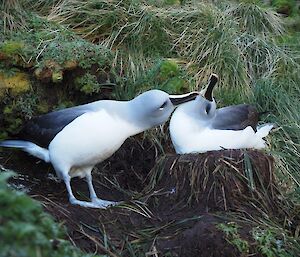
(236, 117)
(42, 129)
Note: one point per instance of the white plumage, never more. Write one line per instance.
(197, 126)
(74, 140)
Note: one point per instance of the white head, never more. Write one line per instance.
(154, 107)
(203, 108)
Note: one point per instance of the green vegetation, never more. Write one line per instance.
(26, 230)
(50, 47)
(88, 84)
(287, 7)
(231, 232)
(268, 240)
(55, 54)
(269, 244)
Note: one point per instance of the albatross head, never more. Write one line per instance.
(206, 102)
(203, 108)
(154, 107)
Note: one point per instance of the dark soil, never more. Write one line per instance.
(176, 201)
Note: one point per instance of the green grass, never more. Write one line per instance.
(210, 38)
(281, 99)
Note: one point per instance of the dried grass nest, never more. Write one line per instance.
(217, 181)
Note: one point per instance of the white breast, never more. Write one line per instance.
(90, 139)
(189, 136)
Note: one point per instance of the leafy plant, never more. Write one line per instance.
(270, 244)
(26, 230)
(232, 236)
(88, 84)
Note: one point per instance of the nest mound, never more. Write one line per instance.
(217, 181)
(172, 205)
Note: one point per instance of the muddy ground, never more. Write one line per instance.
(171, 205)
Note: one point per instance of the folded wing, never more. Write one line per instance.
(236, 117)
(42, 129)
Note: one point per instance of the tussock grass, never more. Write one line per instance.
(279, 95)
(208, 43)
(255, 19)
(12, 15)
(133, 24)
(210, 38)
(236, 41)
(281, 98)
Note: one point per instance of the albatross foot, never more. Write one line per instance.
(95, 203)
(84, 203)
(103, 203)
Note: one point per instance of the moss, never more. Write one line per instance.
(43, 107)
(70, 64)
(12, 122)
(57, 76)
(7, 110)
(15, 84)
(17, 110)
(10, 47)
(64, 104)
(3, 135)
(15, 125)
(51, 49)
(43, 74)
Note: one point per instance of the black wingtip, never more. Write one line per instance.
(212, 82)
(263, 113)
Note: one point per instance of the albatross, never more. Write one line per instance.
(198, 126)
(75, 139)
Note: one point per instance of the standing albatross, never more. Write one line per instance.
(75, 139)
(198, 126)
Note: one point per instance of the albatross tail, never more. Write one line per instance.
(262, 131)
(28, 147)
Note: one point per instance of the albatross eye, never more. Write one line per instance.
(163, 105)
(207, 108)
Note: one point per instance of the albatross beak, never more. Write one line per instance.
(208, 92)
(180, 99)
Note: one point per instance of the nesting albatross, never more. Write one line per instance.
(75, 139)
(198, 126)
